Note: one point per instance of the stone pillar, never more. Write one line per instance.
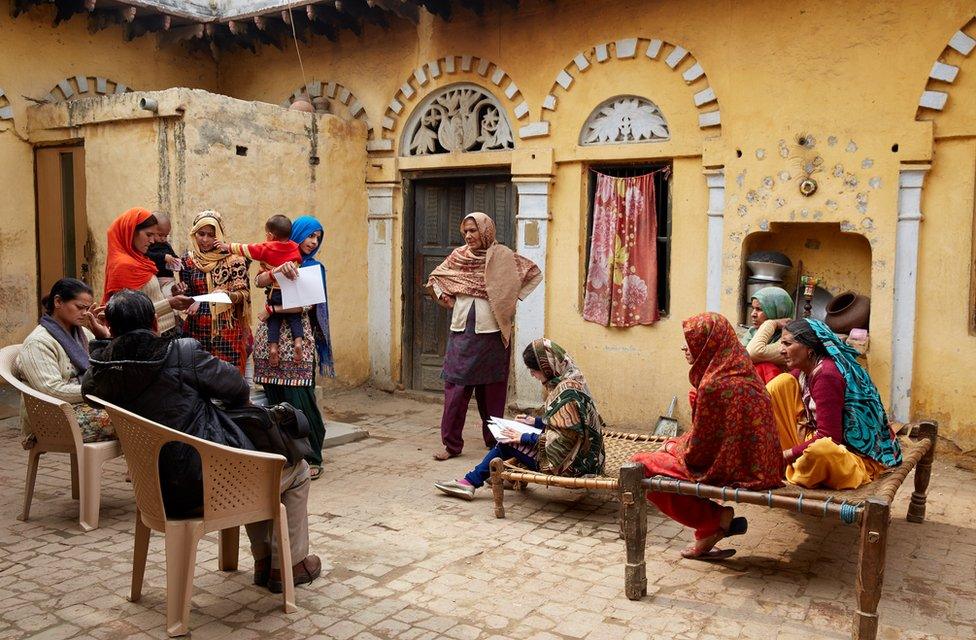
(715, 179)
(532, 219)
(910, 182)
(381, 219)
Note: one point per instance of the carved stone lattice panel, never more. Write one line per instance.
(457, 118)
(625, 119)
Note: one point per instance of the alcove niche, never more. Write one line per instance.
(841, 260)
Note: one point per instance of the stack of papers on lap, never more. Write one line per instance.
(495, 425)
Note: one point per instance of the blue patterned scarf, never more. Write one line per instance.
(865, 422)
(301, 229)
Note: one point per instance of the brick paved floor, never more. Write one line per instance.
(402, 561)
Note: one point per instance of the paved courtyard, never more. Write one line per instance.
(402, 561)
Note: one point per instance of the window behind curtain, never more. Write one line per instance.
(662, 190)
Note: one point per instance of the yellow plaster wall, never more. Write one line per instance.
(34, 57)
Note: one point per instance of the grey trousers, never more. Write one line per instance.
(294, 495)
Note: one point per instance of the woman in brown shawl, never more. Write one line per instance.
(481, 282)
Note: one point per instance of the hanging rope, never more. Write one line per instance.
(294, 36)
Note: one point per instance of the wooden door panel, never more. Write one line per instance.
(62, 222)
(439, 207)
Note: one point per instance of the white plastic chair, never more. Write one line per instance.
(54, 424)
(239, 487)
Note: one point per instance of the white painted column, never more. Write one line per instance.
(715, 179)
(379, 256)
(910, 182)
(530, 316)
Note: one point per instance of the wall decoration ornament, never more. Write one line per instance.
(77, 87)
(936, 93)
(625, 119)
(676, 57)
(457, 118)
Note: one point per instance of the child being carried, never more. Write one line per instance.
(276, 251)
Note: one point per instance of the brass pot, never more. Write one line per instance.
(848, 310)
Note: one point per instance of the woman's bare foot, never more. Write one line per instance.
(445, 455)
(274, 354)
(299, 350)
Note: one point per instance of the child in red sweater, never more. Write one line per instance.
(278, 250)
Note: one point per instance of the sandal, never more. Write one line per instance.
(737, 527)
(314, 471)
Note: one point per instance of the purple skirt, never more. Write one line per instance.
(475, 358)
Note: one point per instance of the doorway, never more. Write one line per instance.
(63, 246)
(434, 210)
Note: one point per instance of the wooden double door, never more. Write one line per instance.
(439, 206)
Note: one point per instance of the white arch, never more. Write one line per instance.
(936, 93)
(75, 87)
(334, 91)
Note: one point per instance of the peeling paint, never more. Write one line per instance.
(838, 170)
(867, 163)
(832, 205)
(784, 151)
(867, 223)
(845, 225)
(862, 201)
(743, 210)
(831, 140)
(768, 182)
(780, 203)
(764, 225)
(875, 182)
(850, 180)
(784, 176)
(760, 154)
(741, 179)
(851, 147)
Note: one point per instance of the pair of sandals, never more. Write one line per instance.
(737, 527)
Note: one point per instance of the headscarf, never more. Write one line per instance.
(733, 439)
(492, 271)
(572, 443)
(301, 229)
(126, 268)
(866, 427)
(776, 303)
(208, 261)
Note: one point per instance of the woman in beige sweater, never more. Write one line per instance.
(772, 308)
(55, 354)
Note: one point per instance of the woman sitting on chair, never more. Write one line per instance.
(55, 355)
(832, 426)
(732, 441)
(571, 442)
(772, 308)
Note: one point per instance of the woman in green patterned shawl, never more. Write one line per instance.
(569, 440)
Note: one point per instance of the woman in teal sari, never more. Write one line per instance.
(772, 308)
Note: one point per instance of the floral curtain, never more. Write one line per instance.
(621, 284)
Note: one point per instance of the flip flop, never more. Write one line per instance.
(314, 471)
(711, 555)
(737, 527)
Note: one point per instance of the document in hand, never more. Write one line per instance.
(220, 297)
(495, 425)
(303, 291)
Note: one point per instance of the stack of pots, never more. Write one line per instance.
(767, 268)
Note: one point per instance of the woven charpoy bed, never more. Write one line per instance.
(868, 506)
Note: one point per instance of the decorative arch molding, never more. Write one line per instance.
(676, 57)
(461, 117)
(333, 91)
(624, 120)
(77, 87)
(6, 111)
(937, 87)
(460, 65)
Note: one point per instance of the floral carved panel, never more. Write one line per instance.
(625, 119)
(458, 118)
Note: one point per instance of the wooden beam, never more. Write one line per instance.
(90, 5)
(178, 34)
(128, 14)
(260, 22)
(286, 16)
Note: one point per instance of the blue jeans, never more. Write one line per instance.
(482, 472)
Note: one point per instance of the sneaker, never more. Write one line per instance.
(458, 490)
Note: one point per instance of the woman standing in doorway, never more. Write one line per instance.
(222, 329)
(481, 282)
(288, 380)
(128, 267)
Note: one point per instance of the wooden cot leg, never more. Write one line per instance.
(870, 567)
(497, 486)
(923, 472)
(635, 529)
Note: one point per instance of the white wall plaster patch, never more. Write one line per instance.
(653, 49)
(420, 75)
(676, 56)
(6, 113)
(330, 89)
(511, 90)
(709, 119)
(867, 163)
(760, 154)
(521, 110)
(82, 83)
(482, 67)
(465, 63)
(344, 95)
(379, 145)
(434, 68)
(449, 64)
(626, 48)
(943, 72)
(851, 147)
(388, 123)
(100, 85)
(355, 108)
(962, 43)
(601, 53)
(581, 62)
(564, 79)
(66, 89)
(933, 100)
(407, 90)
(396, 106)
(120, 88)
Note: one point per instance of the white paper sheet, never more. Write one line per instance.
(304, 291)
(219, 297)
(495, 425)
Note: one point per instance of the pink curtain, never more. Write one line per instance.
(621, 284)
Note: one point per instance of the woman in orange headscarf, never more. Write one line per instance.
(127, 267)
(732, 442)
(481, 282)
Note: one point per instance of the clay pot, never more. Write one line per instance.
(302, 103)
(848, 311)
(322, 105)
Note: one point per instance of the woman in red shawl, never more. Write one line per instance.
(127, 267)
(732, 442)
(481, 282)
